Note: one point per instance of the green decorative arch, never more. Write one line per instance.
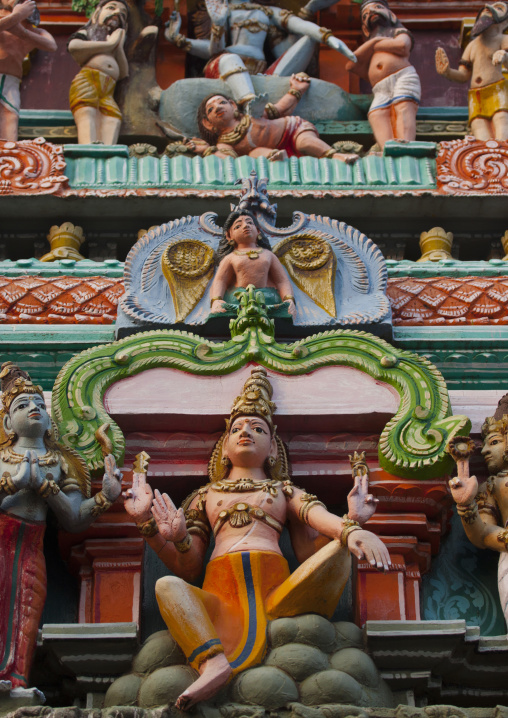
(412, 444)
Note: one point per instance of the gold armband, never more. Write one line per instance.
(210, 150)
(502, 537)
(305, 14)
(149, 528)
(101, 504)
(184, 545)
(468, 513)
(272, 111)
(284, 16)
(48, 487)
(217, 32)
(288, 298)
(295, 93)
(328, 154)
(349, 527)
(325, 33)
(181, 42)
(7, 485)
(215, 299)
(308, 502)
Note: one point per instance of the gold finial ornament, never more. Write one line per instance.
(255, 399)
(504, 244)
(435, 245)
(65, 242)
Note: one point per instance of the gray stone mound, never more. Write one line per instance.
(310, 662)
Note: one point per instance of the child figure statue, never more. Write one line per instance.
(484, 514)
(250, 498)
(36, 474)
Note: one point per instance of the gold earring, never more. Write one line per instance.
(272, 461)
(225, 461)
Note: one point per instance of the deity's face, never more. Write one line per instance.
(219, 113)
(493, 451)
(243, 231)
(113, 15)
(28, 417)
(249, 442)
(376, 14)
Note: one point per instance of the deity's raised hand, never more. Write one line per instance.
(463, 489)
(23, 10)
(173, 25)
(341, 47)
(442, 61)
(366, 545)
(499, 57)
(138, 499)
(361, 505)
(112, 481)
(170, 520)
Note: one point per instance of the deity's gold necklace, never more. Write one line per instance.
(246, 484)
(9, 456)
(234, 136)
(250, 253)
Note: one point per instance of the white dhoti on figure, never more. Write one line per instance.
(402, 86)
(502, 580)
(9, 92)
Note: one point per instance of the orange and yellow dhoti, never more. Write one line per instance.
(486, 101)
(93, 88)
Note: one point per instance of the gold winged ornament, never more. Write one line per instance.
(187, 265)
(310, 262)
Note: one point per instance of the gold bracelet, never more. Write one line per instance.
(101, 504)
(468, 512)
(7, 485)
(502, 537)
(149, 528)
(215, 299)
(325, 33)
(184, 545)
(349, 527)
(48, 487)
(272, 111)
(210, 150)
(295, 93)
(288, 298)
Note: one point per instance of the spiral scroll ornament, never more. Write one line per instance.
(31, 167)
(469, 166)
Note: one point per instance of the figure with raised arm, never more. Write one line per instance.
(18, 36)
(237, 39)
(383, 60)
(250, 498)
(37, 474)
(484, 513)
(98, 47)
(482, 65)
(228, 132)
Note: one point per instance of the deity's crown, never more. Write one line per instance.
(499, 422)
(370, 2)
(15, 381)
(255, 399)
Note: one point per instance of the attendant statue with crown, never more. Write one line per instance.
(484, 513)
(36, 474)
(250, 498)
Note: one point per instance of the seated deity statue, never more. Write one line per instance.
(227, 132)
(37, 474)
(222, 626)
(245, 258)
(484, 513)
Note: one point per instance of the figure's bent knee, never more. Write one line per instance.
(169, 586)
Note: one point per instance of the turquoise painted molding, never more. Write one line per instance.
(412, 444)
(110, 167)
(63, 267)
(447, 268)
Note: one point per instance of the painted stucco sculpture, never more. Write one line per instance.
(383, 60)
(227, 132)
(482, 64)
(98, 47)
(37, 473)
(237, 37)
(19, 35)
(221, 628)
(483, 512)
(336, 275)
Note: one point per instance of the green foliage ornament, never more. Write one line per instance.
(412, 444)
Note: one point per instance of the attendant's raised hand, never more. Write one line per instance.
(138, 499)
(361, 505)
(170, 520)
(463, 489)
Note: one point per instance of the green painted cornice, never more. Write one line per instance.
(446, 268)
(63, 267)
(412, 444)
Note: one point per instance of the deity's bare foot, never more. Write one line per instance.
(216, 672)
(349, 159)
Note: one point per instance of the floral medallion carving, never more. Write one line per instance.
(31, 167)
(470, 166)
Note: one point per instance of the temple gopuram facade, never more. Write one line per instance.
(253, 359)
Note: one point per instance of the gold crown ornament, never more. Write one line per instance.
(16, 381)
(65, 242)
